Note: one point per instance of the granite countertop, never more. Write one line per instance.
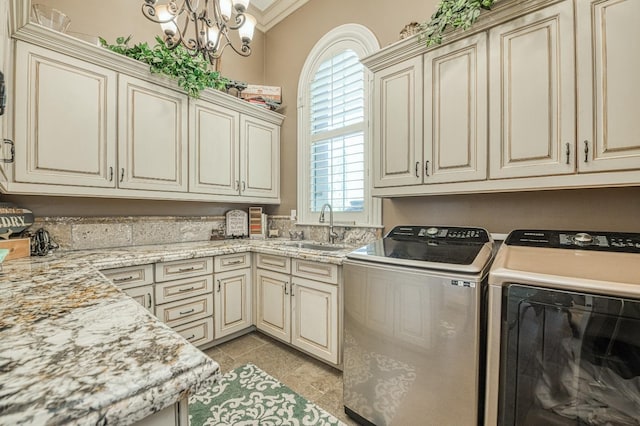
(74, 349)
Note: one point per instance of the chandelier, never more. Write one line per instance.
(211, 21)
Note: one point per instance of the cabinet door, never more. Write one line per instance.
(608, 85)
(273, 304)
(5, 149)
(214, 144)
(532, 94)
(314, 326)
(143, 295)
(455, 112)
(232, 302)
(260, 158)
(65, 119)
(152, 137)
(397, 131)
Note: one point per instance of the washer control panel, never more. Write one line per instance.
(440, 233)
(581, 240)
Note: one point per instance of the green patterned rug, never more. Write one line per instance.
(249, 396)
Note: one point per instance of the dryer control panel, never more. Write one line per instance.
(581, 240)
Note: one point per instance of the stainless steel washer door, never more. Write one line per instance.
(411, 345)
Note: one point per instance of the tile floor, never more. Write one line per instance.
(314, 380)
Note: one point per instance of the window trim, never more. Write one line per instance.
(363, 42)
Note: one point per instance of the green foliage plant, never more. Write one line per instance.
(192, 73)
(452, 14)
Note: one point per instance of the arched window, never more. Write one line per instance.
(333, 129)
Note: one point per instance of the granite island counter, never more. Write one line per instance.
(75, 349)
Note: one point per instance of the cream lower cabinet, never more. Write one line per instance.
(65, 120)
(532, 95)
(297, 309)
(608, 85)
(232, 296)
(184, 297)
(152, 137)
(273, 304)
(136, 281)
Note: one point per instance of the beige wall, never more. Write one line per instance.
(115, 18)
(289, 43)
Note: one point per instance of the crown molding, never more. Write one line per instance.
(275, 13)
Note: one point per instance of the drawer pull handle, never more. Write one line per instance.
(568, 151)
(417, 168)
(150, 300)
(285, 288)
(234, 262)
(218, 286)
(191, 268)
(426, 168)
(123, 279)
(193, 336)
(187, 289)
(122, 174)
(292, 284)
(187, 312)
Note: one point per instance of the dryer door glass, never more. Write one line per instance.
(569, 359)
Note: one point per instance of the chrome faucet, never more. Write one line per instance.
(332, 234)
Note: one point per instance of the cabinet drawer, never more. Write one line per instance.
(177, 269)
(171, 291)
(131, 276)
(229, 262)
(197, 332)
(273, 263)
(187, 310)
(326, 272)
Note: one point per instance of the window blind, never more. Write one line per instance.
(337, 134)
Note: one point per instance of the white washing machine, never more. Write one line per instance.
(563, 341)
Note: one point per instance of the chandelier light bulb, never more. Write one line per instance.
(246, 30)
(226, 7)
(167, 20)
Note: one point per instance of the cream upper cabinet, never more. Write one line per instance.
(153, 129)
(455, 111)
(532, 94)
(65, 119)
(259, 158)
(233, 153)
(608, 85)
(397, 129)
(214, 144)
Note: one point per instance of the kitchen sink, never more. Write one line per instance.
(313, 246)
